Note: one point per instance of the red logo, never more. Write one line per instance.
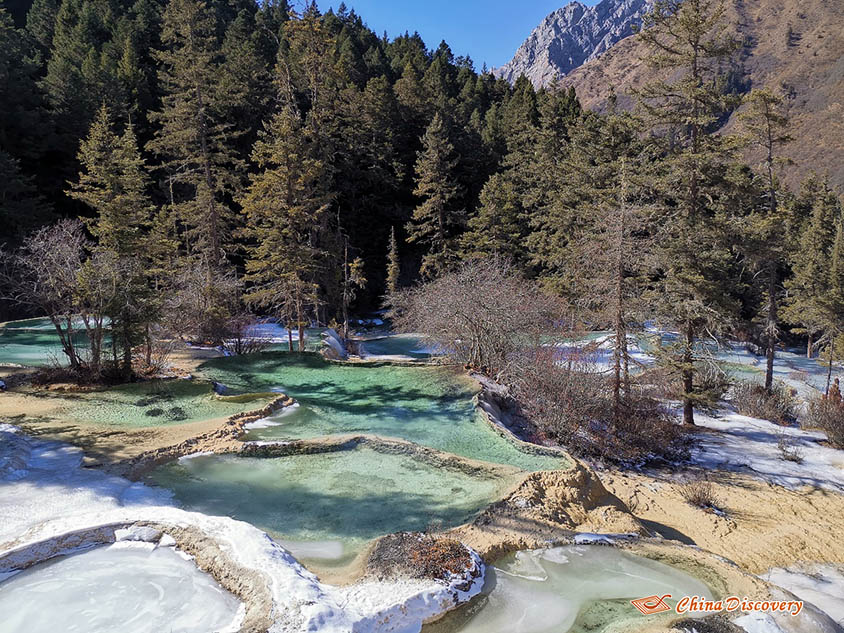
(651, 604)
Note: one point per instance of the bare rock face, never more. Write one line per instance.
(570, 37)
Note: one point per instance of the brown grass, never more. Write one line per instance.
(699, 493)
(418, 555)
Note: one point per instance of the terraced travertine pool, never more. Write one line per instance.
(430, 406)
(36, 347)
(577, 589)
(134, 589)
(147, 404)
(327, 506)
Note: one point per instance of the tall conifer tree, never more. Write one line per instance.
(438, 217)
(193, 138)
(687, 41)
(765, 128)
(284, 207)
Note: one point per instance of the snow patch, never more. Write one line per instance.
(820, 584)
(748, 444)
(53, 505)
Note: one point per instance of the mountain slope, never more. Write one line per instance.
(571, 36)
(794, 47)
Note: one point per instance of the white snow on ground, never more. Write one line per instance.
(46, 494)
(744, 443)
(820, 584)
(599, 358)
(807, 376)
(270, 331)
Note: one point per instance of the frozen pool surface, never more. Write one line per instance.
(331, 503)
(431, 406)
(575, 588)
(131, 589)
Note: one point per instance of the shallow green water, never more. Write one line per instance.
(408, 345)
(317, 501)
(38, 323)
(34, 348)
(576, 588)
(431, 406)
(157, 403)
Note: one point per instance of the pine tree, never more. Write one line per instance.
(114, 183)
(193, 138)
(810, 264)
(393, 264)
(437, 218)
(245, 81)
(353, 278)
(41, 22)
(501, 223)
(25, 126)
(604, 231)
(284, 207)
(367, 168)
(765, 128)
(833, 300)
(686, 38)
(22, 209)
(81, 71)
(498, 227)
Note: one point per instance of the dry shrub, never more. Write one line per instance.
(201, 303)
(55, 374)
(828, 415)
(572, 404)
(417, 555)
(711, 382)
(753, 400)
(798, 376)
(237, 340)
(480, 314)
(699, 493)
(155, 359)
(789, 450)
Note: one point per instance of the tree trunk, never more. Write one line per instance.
(212, 220)
(829, 369)
(66, 339)
(809, 346)
(301, 326)
(127, 348)
(620, 326)
(771, 326)
(346, 290)
(688, 378)
(289, 338)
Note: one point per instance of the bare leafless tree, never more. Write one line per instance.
(480, 314)
(202, 303)
(42, 277)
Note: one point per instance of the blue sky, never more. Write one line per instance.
(487, 30)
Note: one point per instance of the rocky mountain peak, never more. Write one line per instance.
(572, 36)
